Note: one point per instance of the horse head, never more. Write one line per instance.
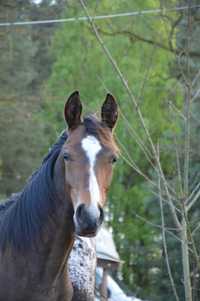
(89, 154)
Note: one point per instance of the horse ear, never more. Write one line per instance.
(73, 110)
(109, 111)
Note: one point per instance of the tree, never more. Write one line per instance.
(23, 132)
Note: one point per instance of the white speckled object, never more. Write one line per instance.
(82, 265)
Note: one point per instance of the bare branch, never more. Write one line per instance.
(197, 228)
(196, 95)
(185, 257)
(178, 166)
(165, 243)
(195, 252)
(196, 78)
(194, 199)
(136, 37)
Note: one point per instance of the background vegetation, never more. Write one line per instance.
(153, 202)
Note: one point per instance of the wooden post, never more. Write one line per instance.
(103, 286)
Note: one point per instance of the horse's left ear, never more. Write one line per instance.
(109, 111)
(73, 110)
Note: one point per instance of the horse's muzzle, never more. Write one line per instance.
(88, 219)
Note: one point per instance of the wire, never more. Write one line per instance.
(110, 16)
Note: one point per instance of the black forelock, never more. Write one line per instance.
(92, 125)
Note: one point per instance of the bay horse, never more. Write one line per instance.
(63, 198)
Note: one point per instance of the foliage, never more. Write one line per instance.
(23, 136)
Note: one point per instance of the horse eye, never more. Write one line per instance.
(66, 157)
(113, 159)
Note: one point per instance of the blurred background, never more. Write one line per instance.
(147, 54)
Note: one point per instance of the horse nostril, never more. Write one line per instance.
(101, 217)
(80, 211)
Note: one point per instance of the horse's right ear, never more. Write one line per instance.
(73, 110)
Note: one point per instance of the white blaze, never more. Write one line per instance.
(92, 147)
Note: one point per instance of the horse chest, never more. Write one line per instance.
(22, 282)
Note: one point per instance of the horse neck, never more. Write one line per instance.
(58, 232)
(63, 209)
(43, 230)
(52, 214)
(63, 237)
(52, 206)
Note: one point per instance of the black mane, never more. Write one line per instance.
(25, 213)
